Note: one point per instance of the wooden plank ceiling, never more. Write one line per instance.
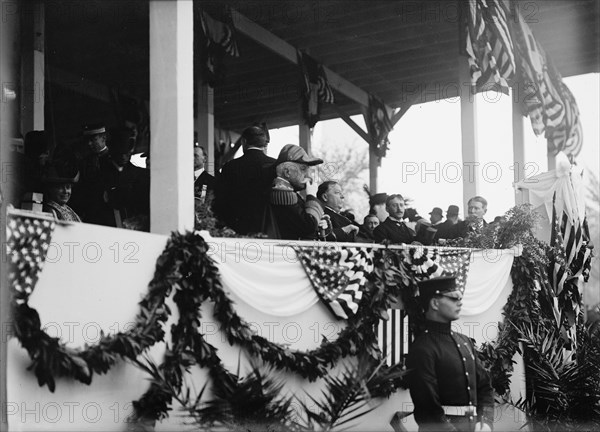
(385, 47)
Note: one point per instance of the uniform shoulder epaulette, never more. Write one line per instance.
(283, 196)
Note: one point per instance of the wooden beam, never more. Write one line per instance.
(287, 51)
(205, 123)
(364, 135)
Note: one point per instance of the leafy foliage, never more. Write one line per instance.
(563, 385)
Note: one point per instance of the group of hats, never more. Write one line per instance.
(452, 211)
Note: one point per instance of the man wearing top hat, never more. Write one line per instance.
(449, 387)
(242, 186)
(290, 216)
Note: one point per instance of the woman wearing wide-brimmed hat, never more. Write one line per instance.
(58, 179)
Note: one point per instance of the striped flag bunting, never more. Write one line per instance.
(379, 125)
(549, 103)
(425, 263)
(338, 275)
(489, 45)
(217, 39)
(315, 87)
(27, 242)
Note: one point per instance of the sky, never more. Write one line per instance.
(424, 162)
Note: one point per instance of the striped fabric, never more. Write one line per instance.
(220, 34)
(379, 125)
(548, 102)
(424, 263)
(338, 275)
(489, 45)
(315, 87)
(393, 336)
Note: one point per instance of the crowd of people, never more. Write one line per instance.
(279, 197)
(94, 181)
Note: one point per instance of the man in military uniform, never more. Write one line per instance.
(449, 386)
(290, 216)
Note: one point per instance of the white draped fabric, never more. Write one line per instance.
(270, 278)
(568, 185)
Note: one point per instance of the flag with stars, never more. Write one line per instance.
(27, 243)
(338, 275)
(425, 263)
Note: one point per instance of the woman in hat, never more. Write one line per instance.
(58, 179)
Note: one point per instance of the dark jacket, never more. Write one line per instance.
(242, 191)
(394, 232)
(290, 217)
(339, 221)
(444, 370)
(204, 179)
(462, 229)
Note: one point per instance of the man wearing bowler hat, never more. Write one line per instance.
(435, 216)
(449, 387)
(444, 229)
(290, 216)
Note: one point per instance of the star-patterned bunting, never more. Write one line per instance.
(338, 275)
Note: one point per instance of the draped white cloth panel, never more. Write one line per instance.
(271, 279)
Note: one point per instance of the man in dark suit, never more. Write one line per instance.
(242, 187)
(445, 228)
(332, 198)
(204, 183)
(393, 229)
(474, 223)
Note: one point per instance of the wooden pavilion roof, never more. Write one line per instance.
(386, 48)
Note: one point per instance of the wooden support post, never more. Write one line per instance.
(32, 66)
(9, 41)
(518, 135)
(468, 125)
(305, 137)
(551, 161)
(171, 111)
(205, 123)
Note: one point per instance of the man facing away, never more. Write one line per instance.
(242, 188)
(449, 387)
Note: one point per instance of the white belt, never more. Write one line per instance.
(466, 410)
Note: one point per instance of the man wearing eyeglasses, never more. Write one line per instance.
(450, 388)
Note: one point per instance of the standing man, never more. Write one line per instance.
(435, 216)
(332, 198)
(449, 387)
(204, 183)
(393, 229)
(445, 228)
(242, 188)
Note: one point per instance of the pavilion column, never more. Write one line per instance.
(373, 170)
(518, 135)
(172, 115)
(305, 137)
(551, 161)
(205, 123)
(32, 66)
(468, 125)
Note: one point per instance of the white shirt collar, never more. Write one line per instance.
(198, 173)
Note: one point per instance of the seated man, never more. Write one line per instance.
(393, 229)
(365, 234)
(332, 198)
(474, 222)
(290, 216)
